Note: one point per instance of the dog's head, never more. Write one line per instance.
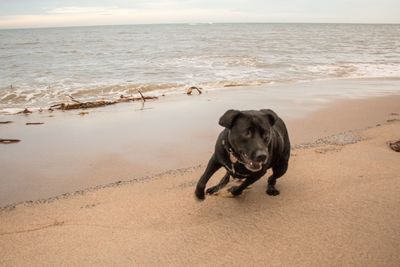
(250, 135)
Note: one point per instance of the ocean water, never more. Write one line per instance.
(40, 67)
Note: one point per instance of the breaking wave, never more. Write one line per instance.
(45, 66)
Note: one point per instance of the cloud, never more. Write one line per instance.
(74, 16)
(191, 11)
(81, 10)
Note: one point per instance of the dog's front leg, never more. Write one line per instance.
(212, 166)
(237, 190)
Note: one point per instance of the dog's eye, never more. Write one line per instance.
(265, 137)
(247, 133)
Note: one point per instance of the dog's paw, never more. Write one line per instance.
(235, 190)
(272, 191)
(212, 190)
(199, 193)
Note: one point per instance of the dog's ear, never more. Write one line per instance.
(227, 119)
(271, 116)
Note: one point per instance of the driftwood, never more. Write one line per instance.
(90, 104)
(99, 103)
(73, 99)
(190, 90)
(5, 122)
(25, 111)
(395, 146)
(9, 141)
(34, 123)
(142, 96)
(84, 105)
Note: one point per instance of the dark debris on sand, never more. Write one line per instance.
(9, 141)
(395, 146)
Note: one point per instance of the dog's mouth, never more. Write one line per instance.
(252, 165)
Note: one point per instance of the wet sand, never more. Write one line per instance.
(339, 203)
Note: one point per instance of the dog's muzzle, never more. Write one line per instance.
(255, 165)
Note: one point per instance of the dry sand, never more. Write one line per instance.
(339, 206)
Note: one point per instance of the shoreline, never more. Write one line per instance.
(181, 91)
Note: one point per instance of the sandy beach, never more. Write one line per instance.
(339, 201)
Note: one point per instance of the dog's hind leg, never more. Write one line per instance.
(220, 185)
(277, 171)
(212, 166)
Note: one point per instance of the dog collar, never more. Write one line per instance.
(233, 159)
(230, 151)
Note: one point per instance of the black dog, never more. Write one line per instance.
(251, 143)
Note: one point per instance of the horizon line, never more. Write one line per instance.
(195, 23)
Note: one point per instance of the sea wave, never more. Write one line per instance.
(356, 70)
(14, 98)
(42, 67)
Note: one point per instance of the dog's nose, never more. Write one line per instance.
(261, 156)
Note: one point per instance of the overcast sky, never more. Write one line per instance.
(55, 13)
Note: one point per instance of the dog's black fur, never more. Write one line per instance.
(251, 143)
